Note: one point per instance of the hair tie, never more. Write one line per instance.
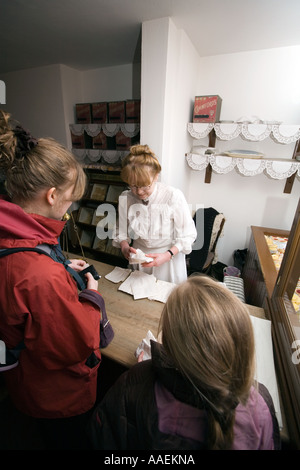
(25, 141)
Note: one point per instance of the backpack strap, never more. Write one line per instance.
(55, 253)
(9, 358)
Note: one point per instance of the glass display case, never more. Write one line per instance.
(271, 279)
(262, 264)
(284, 310)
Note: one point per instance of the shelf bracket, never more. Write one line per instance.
(211, 143)
(290, 181)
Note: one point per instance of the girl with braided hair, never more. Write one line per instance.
(198, 389)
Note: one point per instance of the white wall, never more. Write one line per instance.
(169, 78)
(153, 83)
(43, 99)
(35, 98)
(263, 83)
(108, 84)
(71, 93)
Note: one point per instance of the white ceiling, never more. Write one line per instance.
(87, 34)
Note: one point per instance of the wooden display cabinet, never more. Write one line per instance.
(260, 273)
(277, 290)
(285, 315)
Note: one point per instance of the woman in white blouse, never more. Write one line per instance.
(154, 217)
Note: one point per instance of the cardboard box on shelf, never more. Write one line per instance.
(116, 111)
(77, 141)
(207, 108)
(83, 141)
(83, 113)
(99, 112)
(133, 110)
(101, 141)
(123, 142)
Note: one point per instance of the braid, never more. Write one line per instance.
(207, 332)
(220, 433)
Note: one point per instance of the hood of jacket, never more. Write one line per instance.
(20, 229)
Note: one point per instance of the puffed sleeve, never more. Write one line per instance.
(122, 222)
(185, 232)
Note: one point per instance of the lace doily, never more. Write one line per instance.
(79, 154)
(90, 156)
(77, 129)
(197, 161)
(112, 156)
(281, 133)
(93, 154)
(285, 134)
(250, 167)
(222, 164)
(199, 130)
(227, 131)
(256, 132)
(130, 129)
(281, 170)
(276, 169)
(92, 129)
(110, 129)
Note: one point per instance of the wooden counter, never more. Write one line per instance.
(260, 273)
(131, 319)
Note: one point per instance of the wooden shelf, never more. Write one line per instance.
(248, 165)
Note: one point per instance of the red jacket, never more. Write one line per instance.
(39, 303)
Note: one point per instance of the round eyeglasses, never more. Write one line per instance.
(141, 188)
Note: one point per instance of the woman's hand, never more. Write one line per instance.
(141, 356)
(158, 259)
(78, 264)
(91, 282)
(126, 249)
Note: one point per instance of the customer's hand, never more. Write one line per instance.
(78, 264)
(140, 356)
(91, 282)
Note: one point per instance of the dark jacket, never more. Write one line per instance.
(153, 407)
